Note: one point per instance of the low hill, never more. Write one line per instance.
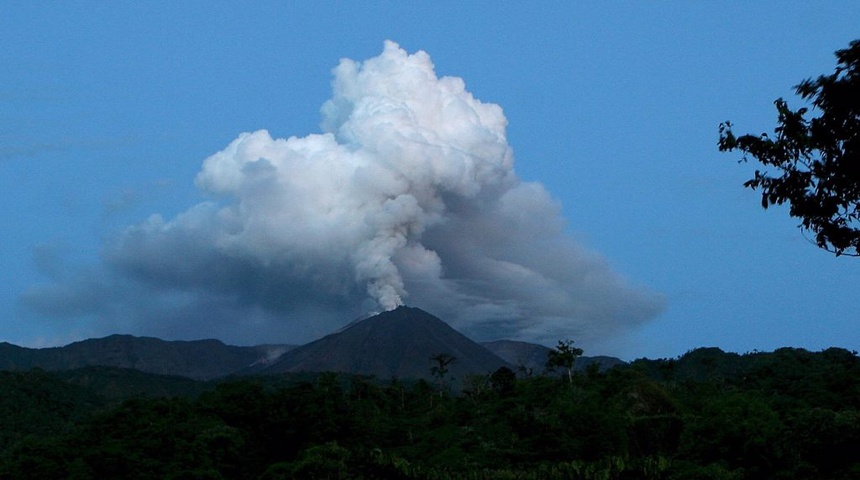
(532, 357)
(199, 359)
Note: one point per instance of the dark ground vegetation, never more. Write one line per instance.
(789, 414)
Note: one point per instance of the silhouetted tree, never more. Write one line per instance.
(817, 161)
(564, 356)
(440, 369)
(503, 380)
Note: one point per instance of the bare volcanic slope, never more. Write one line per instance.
(397, 343)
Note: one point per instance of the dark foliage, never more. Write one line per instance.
(708, 414)
(817, 160)
(37, 403)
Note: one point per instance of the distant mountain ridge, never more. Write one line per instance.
(198, 359)
(397, 343)
(522, 355)
(532, 357)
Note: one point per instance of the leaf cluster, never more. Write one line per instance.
(815, 161)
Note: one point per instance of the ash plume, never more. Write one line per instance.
(408, 195)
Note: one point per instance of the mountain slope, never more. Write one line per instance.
(533, 356)
(397, 343)
(199, 360)
(520, 354)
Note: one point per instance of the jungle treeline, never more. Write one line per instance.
(789, 414)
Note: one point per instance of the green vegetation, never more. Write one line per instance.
(706, 415)
(563, 356)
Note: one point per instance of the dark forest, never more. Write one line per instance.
(708, 414)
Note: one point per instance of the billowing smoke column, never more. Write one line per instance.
(400, 146)
(408, 195)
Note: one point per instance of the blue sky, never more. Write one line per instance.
(108, 110)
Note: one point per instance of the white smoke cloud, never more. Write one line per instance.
(408, 195)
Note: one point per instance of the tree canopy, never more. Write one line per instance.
(564, 356)
(708, 414)
(813, 164)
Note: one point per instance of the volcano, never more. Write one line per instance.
(395, 344)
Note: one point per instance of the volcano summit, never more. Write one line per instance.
(397, 343)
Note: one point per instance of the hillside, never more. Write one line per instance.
(531, 357)
(200, 359)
